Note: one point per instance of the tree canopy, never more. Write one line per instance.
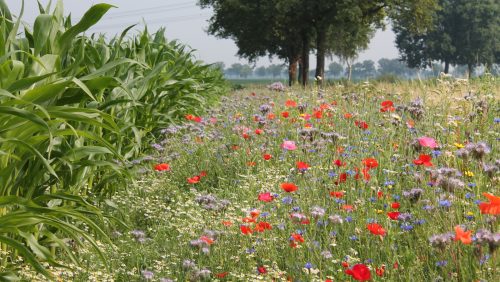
(291, 29)
(462, 33)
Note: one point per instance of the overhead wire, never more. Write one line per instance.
(154, 21)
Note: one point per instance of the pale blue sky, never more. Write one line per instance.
(185, 21)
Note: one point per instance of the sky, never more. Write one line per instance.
(185, 22)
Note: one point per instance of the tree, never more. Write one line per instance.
(246, 71)
(235, 69)
(363, 70)
(463, 32)
(263, 27)
(289, 29)
(335, 69)
(219, 66)
(392, 67)
(261, 71)
(275, 70)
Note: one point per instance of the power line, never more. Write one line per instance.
(113, 17)
(163, 20)
(145, 10)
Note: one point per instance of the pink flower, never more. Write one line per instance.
(266, 197)
(427, 142)
(289, 145)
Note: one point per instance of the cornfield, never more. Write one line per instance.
(74, 113)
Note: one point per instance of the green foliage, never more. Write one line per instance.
(74, 111)
(462, 32)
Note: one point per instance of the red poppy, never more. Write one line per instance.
(254, 213)
(302, 166)
(359, 272)
(262, 226)
(380, 271)
(245, 136)
(248, 219)
(291, 103)
(463, 236)
(380, 194)
(251, 163)
(370, 163)
(361, 124)
(339, 163)
(376, 229)
(203, 173)
(223, 274)
(162, 167)
(259, 131)
(289, 187)
(393, 215)
(423, 160)
(492, 207)
(194, 179)
(271, 116)
(262, 270)
(387, 106)
(345, 264)
(347, 115)
(297, 238)
(267, 157)
(285, 114)
(342, 178)
(265, 197)
(227, 223)
(207, 240)
(337, 194)
(348, 208)
(245, 230)
(395, 205)
(318, 114)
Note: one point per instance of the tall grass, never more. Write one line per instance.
(74, 111)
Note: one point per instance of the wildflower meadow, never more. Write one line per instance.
(369, 182)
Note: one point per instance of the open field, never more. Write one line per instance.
(315, 185)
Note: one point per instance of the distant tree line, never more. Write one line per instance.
(367, 69)
(453, 32)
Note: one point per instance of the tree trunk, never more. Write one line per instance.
(305, 60)
(320, 55)
(301, 70)
(446, 66)
(470, 70)
(292, 71)
(349, 70)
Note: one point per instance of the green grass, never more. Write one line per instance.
(163, 205)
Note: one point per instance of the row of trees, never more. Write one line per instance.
(455, 32)
(360, 70)
(292, 29)
(464, 32)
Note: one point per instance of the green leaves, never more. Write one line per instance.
(74, 111)
(90, 18)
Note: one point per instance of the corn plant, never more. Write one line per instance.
(73, 110)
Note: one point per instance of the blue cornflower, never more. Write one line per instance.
(441, 263)
(353, 238)
(406, 227)
(308, 265)
(348, 218)
(436, 153)
(287, 200)
(445, 203)
(332, 174)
